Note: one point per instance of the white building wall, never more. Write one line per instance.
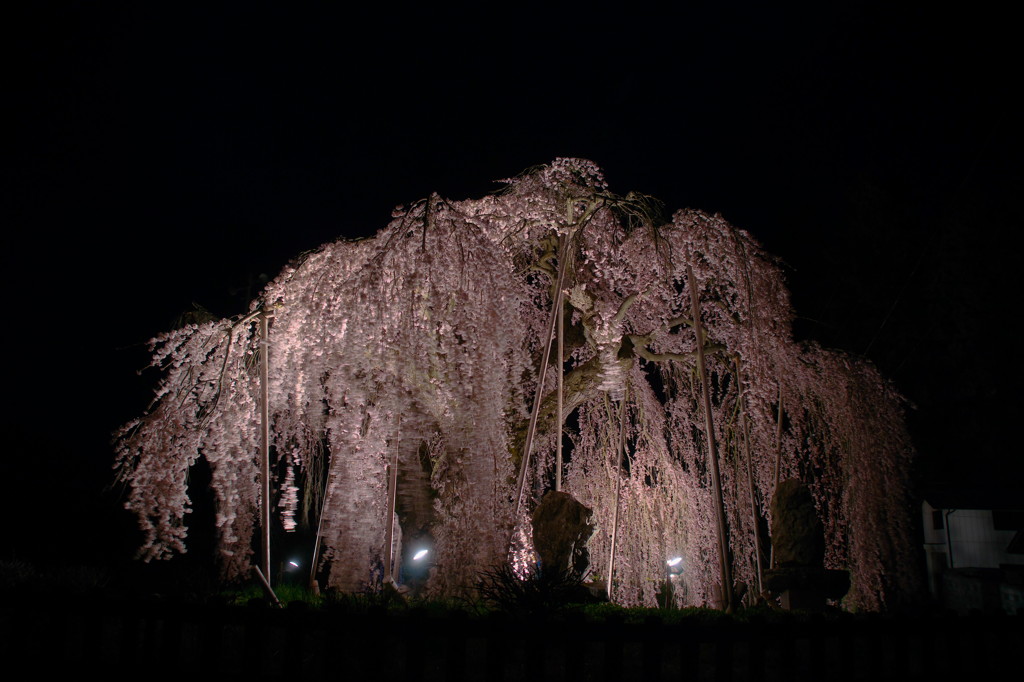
(975, 542)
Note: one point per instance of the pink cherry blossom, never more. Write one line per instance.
(424, 342)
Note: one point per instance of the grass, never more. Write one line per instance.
(19, 577)
(286, 594)
(378, 604)
(498, 594)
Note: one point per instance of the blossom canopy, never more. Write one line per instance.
(422, 349)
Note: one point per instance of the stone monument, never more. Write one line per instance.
(799, 576)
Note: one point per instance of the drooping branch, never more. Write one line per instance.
(428, 338)
(582, 384)
(641, 343)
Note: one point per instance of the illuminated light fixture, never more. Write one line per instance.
(675, 561)
(293, 563)
(420, 554)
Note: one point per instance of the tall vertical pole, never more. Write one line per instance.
(265, 437)
(389, 535)
(313, 586)
(531, 430)
(778, 440)
(778, 465)
(561, 382)
(709, 428)
(314, 562)
(618, 493)
(754, 516)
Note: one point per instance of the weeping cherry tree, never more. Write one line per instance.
(684, 400)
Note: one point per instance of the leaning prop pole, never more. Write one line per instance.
(709, 428)
(532, 428)
(754, 516)
(561, 390)
(265, 317)
(314, 586)
(389, 535)
(265, 584)
(618, 493)
(778, 440)
(778, 464)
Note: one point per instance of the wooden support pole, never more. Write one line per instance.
(267, 589)
(618, 492)
(709, 429)
(389, 534)
(313, 585)
(265, 317)
(778, 464)
(561, 383)
(754, 516)
(532, 428)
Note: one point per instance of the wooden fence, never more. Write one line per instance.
(159, 638)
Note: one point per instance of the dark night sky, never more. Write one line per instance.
(160, 156)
